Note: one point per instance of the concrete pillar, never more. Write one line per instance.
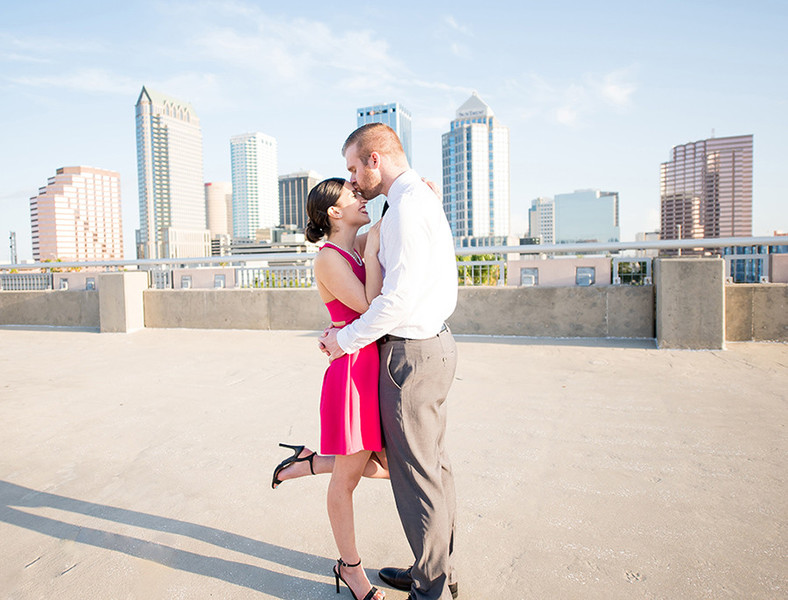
(690, 303)
(120, 301)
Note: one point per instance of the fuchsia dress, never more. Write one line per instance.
(349, 410)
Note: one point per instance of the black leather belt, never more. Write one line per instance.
(395, 338)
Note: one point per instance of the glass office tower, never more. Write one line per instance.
(398, 118)
(706, 189)
(255, 184)
(294, 190)
(476, 174)
(170, 178)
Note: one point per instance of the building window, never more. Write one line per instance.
(90, 283)
(186, 282)
(529, 276)
(585, 276)
(64, 284)
(219, 282)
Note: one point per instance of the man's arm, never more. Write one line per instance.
(405, 244)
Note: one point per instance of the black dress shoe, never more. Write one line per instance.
(400, 579)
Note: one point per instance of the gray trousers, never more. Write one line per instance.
(415, 377)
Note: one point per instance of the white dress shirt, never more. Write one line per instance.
(419, 269)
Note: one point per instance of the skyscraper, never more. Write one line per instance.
(541, 220)
(476, 173)
(169, 170)
(77, 217)
(294, 189)
(219, 208)
(395, 116)
(398, 118)
(255, 185)
(586, 216)
(706, 189)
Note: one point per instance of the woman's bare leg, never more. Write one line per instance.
(376, 467)
(345, 476)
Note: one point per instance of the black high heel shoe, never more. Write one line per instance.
(291, 460)
(338, 575)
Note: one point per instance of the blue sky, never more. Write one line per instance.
(595, 94)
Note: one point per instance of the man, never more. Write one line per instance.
(417, 353)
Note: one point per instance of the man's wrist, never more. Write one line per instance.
(342, 342)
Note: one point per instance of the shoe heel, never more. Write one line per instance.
(336, 579)
(291, 447)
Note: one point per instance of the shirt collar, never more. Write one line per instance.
(401, 183)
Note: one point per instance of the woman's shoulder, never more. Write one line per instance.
(329, 257)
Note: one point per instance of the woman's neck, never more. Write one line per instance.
(344, 238)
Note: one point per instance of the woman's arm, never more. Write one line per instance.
(335, 279)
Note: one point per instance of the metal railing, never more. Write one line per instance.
(299, 276)
(24, 282)
(294, 269)
(482, 272)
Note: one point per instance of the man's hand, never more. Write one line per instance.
(329, 345)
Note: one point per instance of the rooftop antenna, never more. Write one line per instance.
(712, 133)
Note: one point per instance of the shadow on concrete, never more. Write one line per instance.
(278, 585)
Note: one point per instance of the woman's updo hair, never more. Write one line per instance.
(322, 197)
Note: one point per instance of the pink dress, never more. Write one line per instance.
(349, 410)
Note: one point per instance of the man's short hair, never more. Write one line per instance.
(375, 137)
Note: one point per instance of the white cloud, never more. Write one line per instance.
(452, 22)
(615, 87)
(460, 50)
(566, 115)
(573, 104)
(26, 58)
(34, 47)
(84, 80)
(297, 51)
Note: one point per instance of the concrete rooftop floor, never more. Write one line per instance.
(138, 466)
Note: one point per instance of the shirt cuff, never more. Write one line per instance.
(343, 341)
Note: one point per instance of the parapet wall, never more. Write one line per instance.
(752, 312)
(756, 312)
(610, 311)
(59, 308)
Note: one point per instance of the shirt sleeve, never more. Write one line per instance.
(405, 251)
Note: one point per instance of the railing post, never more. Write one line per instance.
(120, 301)
(690, 303)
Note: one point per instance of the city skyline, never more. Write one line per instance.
(581, 115)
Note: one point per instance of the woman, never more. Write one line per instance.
(350, 438)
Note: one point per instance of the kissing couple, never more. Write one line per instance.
(392, 361)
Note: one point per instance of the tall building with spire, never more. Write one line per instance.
(255, 184)
(170, 179)
(706, 189)
(476, 175)
(77, 216)
(399, 119)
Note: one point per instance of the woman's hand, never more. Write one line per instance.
(373, 242)
(433, 186)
